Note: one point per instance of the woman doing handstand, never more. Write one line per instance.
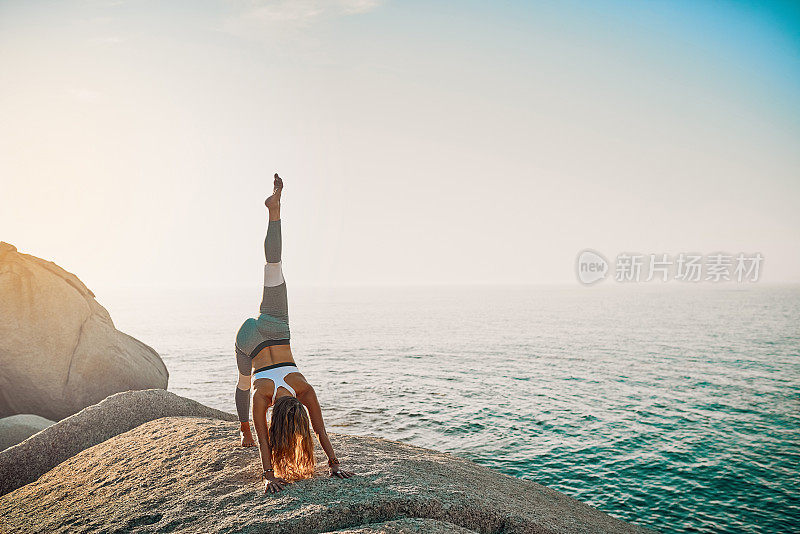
(285, 445)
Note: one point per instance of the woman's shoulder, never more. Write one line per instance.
(298, 382)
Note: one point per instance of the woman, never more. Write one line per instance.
(286, 447)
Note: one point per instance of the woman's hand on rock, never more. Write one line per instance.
(338, 472)
(274, 484)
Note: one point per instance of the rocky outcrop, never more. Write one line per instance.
(27, 461)
(59, 349)
(181, 474)
(20, 427)
(407, 525)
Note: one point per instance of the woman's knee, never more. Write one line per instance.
(244, 382)
(244, 363)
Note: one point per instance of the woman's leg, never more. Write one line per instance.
(242, 397)
(274, 302)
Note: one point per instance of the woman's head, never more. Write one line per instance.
(290, 440)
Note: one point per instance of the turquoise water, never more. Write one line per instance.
(672, 407)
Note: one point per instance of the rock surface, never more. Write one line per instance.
(410, 524)
(59, 349)
(186, 474)
(20, 427)
(25, 462)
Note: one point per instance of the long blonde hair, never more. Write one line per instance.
(290, 440)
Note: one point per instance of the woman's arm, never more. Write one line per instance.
(260, 405)
(309, 399)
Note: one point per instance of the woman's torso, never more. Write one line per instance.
(272, 355)
(279, 354)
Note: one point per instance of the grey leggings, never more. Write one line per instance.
(272, 325)
(273, 300)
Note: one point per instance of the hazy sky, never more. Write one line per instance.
(420, 142)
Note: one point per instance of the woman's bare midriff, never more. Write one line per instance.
(272, 355)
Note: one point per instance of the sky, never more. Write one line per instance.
(420, 142)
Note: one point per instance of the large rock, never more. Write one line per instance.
(18, 428)
(27, 461)
(181, 474)
(59, 350)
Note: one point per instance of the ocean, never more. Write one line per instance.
(674, 407)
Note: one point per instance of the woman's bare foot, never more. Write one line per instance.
(274, 200)
(246, 435)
